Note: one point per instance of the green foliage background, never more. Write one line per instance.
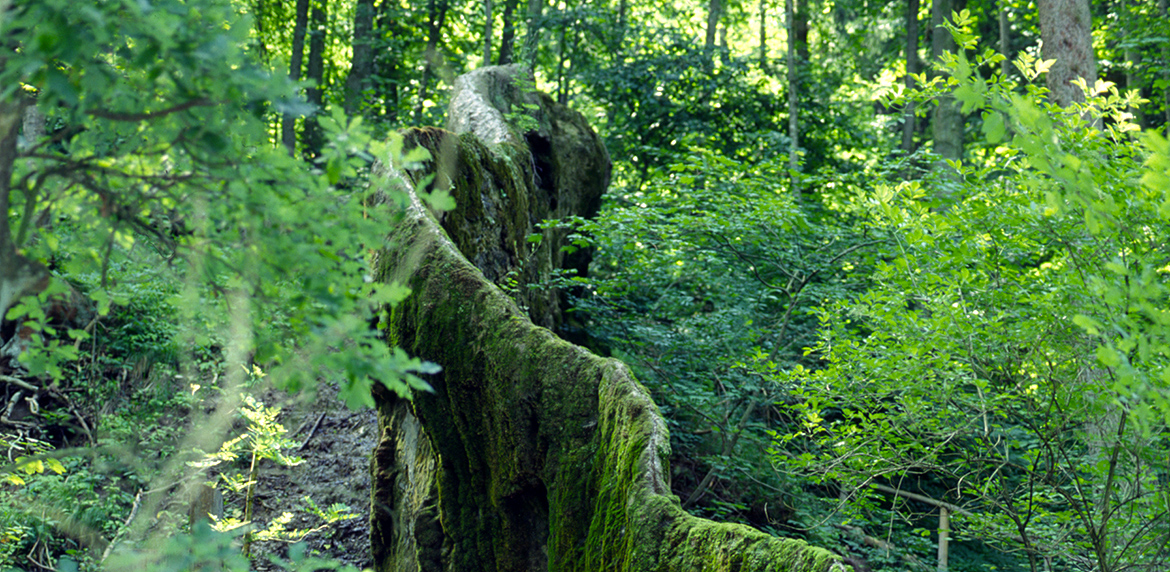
(990, 334)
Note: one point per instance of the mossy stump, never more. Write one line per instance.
(531, 453)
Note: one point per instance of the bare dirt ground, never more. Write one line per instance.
(336, 446)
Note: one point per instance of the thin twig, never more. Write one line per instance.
(125, 524)
(80, 419)
(312, 432)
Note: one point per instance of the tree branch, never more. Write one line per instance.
(148, 115)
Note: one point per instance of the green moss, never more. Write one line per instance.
(551, 458)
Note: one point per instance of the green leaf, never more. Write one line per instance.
(1091, 326)
(1108, 356)
(994, 127)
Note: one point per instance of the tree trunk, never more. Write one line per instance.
(1005, 44)
(800, 16)
(18, 275)
(1165, 68)
(261, 48)
(623, 8)
(533, 32)
(793, 123)
(563, 61)
(944, 536)
(764, 35)
(386, 62)
(436, 15)
(318, 20)
(714, 13)
(488, 21)
(910, 120)
(1066, 28)
(508, 34)
(948, 121)
(362, 65)
(1133, 62)
(530, 453)
(288, 135)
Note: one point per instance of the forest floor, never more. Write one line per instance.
(336, 443)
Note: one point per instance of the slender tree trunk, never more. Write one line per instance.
(488, 20)
(1066, 28)
(793, 124)
(1133, 61)
(764, 35)
(910, 120)
(508, 34)
(714, 13)
(318, 19)
(262, 49)
(562, 57)
(288, 135)
(533, 32)
(948, 121)
(18, 275)
(1165, 68)
(385, 80)
(11, 116)
(623, 8)
(1005, 44)
(800, 19)
(436, 15)
(362, 66)
(944, 536)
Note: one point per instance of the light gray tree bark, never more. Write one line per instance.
(1066, 29)
(488, 21)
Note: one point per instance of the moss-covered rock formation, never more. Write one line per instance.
(531, 453)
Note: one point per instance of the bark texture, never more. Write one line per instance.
(1066, 29)
(314, 137)
(948, 118)
(531, 453)
(19, 275)
(910, 120)
(714, 14)
(288, 134)
(362, 62)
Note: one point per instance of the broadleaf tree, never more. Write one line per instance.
(1010, 362)
(153, 140)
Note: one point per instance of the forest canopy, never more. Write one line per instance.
(894, 272)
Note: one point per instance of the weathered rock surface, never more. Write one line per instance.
(507, 177)
(531, 453)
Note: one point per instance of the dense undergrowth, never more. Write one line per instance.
(987, 340)
(986, 337)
